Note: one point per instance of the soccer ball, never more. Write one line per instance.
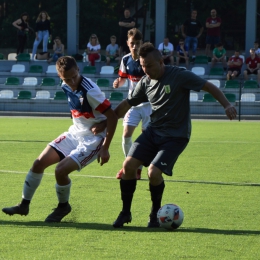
(170, 216)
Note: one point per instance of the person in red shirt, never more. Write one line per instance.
(213, 31)
(234, 66)
(252, 65)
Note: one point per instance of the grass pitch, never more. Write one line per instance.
(216, 182)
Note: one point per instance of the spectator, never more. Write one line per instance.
(234, 66)
(23, 28)
(58, 50)
(191, 31)
(257, 49)
(252, 65)
(213, 31)
(126, 23)
(219, 55)
(42, 32)
(166, 49)
(182, 53)
(93, 49)
(112, 51)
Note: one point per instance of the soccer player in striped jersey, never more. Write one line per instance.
(79, 146)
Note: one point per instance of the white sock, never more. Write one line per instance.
(31, 183)
(63, 192)
(126, 144)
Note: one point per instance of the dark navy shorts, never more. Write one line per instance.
(159, 151)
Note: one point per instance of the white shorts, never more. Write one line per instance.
(82, 149)
(135, 114)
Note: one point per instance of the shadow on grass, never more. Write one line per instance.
(127, 228)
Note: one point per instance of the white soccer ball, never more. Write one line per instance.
(170, 216)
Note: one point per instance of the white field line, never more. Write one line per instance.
(145, 179)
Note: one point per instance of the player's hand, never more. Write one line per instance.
(116, 83)
(98, 127)
(231, 112)
(103, 156)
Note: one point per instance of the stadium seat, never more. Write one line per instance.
(250, 84)
(11, 56)
(6, 94)
(89, 70)
(35, 69)
(12, 81)
(215, 82)
(201, 59)
(200, 71)
(24, 94)
(107, 70)
(20, 68)
(208, 98)
(30, 81)
(103, 82)
(23, 57)
(60, 95)
(232, 84)
(48, 82)
(42, 94)
(248, 97)
(230, 97)
(194, 97)
(116, 96)
(216, 72)
(2, 56)
(51, 69)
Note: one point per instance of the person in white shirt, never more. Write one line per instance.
(166, 48)
(93, 49)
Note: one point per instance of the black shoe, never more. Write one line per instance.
(153, 221)
(58, 214)
(19, 209)
(122, 219)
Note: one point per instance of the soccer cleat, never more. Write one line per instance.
(122, 219)
(138, 174)
(119, 174)
(153, 221)
(58, 214)
(20, 209)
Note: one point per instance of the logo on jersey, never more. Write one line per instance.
(167, 89)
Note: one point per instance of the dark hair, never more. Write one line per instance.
(135, 33)
(237, 50)
(148, 48)
(23, 14)
(66, 63)
(219, 44)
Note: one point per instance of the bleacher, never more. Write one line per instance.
(43, 84)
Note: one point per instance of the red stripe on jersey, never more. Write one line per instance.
(122, 74)
(134, 78)
(75, 113)
(104, 106)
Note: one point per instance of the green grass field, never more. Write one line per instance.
(216, 182)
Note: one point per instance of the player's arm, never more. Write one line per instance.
(122, 108)
(119, 82)
(218, 95)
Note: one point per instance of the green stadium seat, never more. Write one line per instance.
(232, 84)
(208, 98)
(2, 56)
(250, 84)
(116, 96)
(103, 82)
(216, 72)
(23, 57)
(60, 95)
(35, 69)
(230, 97)
(201, 59)
(89, 70)
(12, 81)
(24, 94)
(48, 82)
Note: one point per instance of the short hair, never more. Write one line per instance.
(256, 42)
(113, 37)
(252, 49)
(237, 50)
(148, 48)
(194, 10)
(135, 33)
(66, 63)
(219, 44)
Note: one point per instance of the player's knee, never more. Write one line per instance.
(38, 166)
(60, 171)
(154, 173)
(129, 168)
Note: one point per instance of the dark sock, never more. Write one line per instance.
(25, 202)
(156, 196)
(63, 205)
(127, 191)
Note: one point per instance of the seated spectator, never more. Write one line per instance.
(112, 51)
(58, 50)
(182, 53)
(234, 66)
(93, 49)
(257, 49)
(219, 55)
(166, 48)
(252, 65)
